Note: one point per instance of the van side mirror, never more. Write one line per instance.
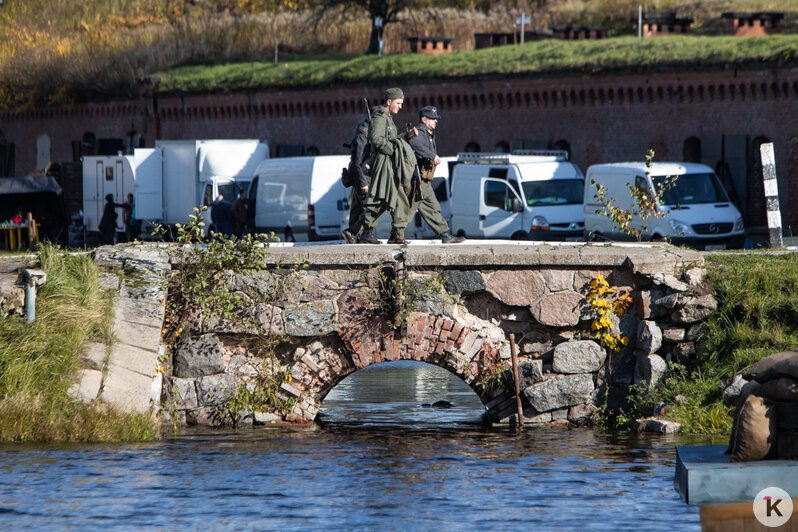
(515, 205)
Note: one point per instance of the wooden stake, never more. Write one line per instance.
(517, 382)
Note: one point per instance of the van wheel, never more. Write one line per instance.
(289, 235)
(520, 235)
(657, 238)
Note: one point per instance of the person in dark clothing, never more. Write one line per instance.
(240, 214)
(426, 151)
(107, 225)
(360, 151)
(222, 216)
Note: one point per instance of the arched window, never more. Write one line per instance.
(691, 150)
(563, 144)
(472, 147)
(502, 147)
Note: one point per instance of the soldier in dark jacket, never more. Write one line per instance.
(427, 156)
(359, 149)
(390, 176)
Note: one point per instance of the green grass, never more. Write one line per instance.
(38, 360)
(535, 58)
(757, 315)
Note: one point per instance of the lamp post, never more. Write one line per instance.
(523, 20)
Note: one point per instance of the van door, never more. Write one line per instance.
(496, 216)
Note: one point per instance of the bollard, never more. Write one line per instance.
(771, 194)
(31, 279)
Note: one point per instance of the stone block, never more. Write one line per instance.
(140, 312)
(87, 385)
(315, 318)
(183, 392)
(109, 281)
(578, 356)
(142, 336)
(673, 334)
(529, 372)
(695, 309)
(199, 356)
(695, 276)
(650, 369)
(464, 282)
(94, 355)
(134, 359)
(518, 288)
(127, 390)
(659, 426)
(558, 280)
(215, 390)
(649, 336)
(560, 392)
(562, 309)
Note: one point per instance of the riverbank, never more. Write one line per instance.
(39, 360)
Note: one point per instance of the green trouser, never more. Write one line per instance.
(356, 200)
(429, 208)
(374, 207)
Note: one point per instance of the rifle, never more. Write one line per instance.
(415, 184)
(368, 109)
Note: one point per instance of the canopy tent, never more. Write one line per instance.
(28, 185)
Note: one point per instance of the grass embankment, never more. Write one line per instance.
(626, 54)
(38, 361)
(757, 316)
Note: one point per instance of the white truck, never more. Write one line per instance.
(300, 199)
(526, 195)
(696, 212)
(171, 179)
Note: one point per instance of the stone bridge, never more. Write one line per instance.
(454, 307)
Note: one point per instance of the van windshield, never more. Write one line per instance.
(554, 192)
(692, 188)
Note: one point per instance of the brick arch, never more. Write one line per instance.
(435, 340)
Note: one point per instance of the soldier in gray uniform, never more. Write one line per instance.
(391, 173)
(427, 155)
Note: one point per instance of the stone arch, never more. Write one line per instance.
(438, 341)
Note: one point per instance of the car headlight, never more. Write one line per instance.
(540, 223)
(679, 227)
(739, 225)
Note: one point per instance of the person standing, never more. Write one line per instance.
(359, 153)
(240, 214)
(107, 225)
(426, 151)
(394, 163)
(222, 216)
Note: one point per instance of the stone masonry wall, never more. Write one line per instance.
(470, 302)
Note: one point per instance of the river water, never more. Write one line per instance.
(379, 461)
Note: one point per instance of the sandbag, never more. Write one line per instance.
(780, 390)
(783, 368)
(755, 436)
(748, 389)
(766, 362)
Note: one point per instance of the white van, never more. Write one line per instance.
(529, 194)
(300, 198)
(697, 210)
(417, 228)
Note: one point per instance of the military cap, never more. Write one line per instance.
(429, 111)
(394, 93)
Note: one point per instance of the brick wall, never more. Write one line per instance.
(601, 118)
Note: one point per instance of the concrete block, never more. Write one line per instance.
(127, 390)
(87, 385)
(142, 336)
(139, 312)
(134, 359)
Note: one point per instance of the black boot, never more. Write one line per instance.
(398, 237)
(367, 237)
(350, 234)
(449, 238)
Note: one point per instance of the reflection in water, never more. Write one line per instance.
(394, 392)
(353, 473)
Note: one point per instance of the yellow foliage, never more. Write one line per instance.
(608, 303)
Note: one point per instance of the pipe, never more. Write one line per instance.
(31, 279)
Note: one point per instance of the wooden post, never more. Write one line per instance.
(517, 382)
(771, 194)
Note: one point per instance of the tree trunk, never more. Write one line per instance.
(374, 39)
